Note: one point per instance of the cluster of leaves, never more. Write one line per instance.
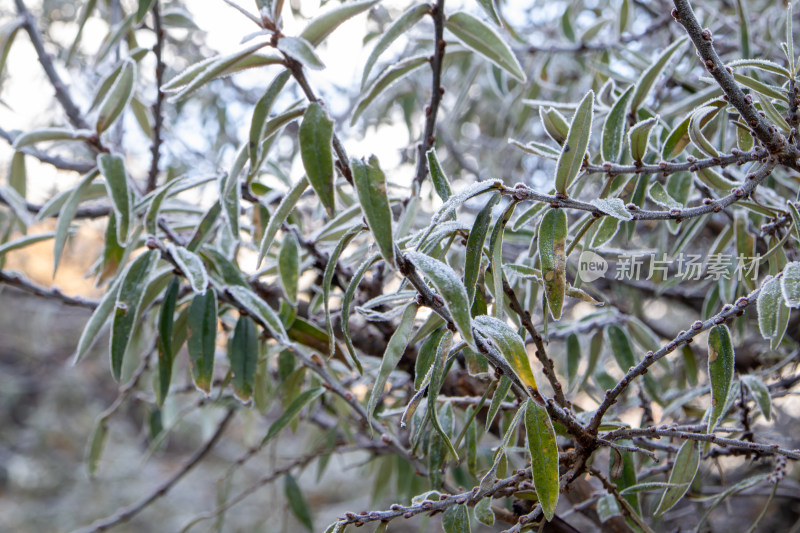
(451, 287)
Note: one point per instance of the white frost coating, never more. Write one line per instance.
(790, 284)
(259, 308)
(769, 299)
(191, 265)
(614, 207)
(451, 289)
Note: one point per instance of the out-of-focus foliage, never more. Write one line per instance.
(540, 255)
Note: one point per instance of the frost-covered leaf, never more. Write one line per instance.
(510, 345)
(720, 371)
(544, 456)
(574, 150)
(552, 246)
(484, 40)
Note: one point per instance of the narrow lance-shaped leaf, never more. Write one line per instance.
(300, 50)
(289, 266)
(144, 7)
(17, 175)
(770, 300)
(258, 308)
(126, 309)
(438, 177)
(510, 345)
(398, 27)
(475, 241)
(639, 137)
(760, 394)
(450, 288)
(118, 97)
(279, 216)
(294, 408)
(370, 183)
(552, 254)
(483, 39)
(614, 207)
(166, 355)
(327, 279)
(243, 355)
(261, 113)
(202, 324)
(555, 125)
(720, 370)
(621, 347)
(790, 284)
(394, 349)
(544, 456)
(24, 241)
(112, 166)
(322, 26)
(191, 266)
(573, 357)
(316, 135)
(297, 503)
(66, 214)
(648, 78)
(683, 471)
(386, 79)
(574, 150)
(50, 134)
(614, 127)
(435, 385)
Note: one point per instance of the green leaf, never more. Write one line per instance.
(191, 265)
(497, 400)
(544, 456)
(24, 241)
(297, 503)
(202, 324)
(17, 175)
(761, 87)
(440, 182)
(605, 231)
(322, 26)
(277, 218)
(112, 166)
(166, 355)
(770, 299)
(385, 79)
(126, 308)
(484, 513)
(761, 64)
(316, 135)
(159, 195)
(261, 113)
(243, 355)
(300, 50)
(474, 251)
(97, 321)
(66, 214)
(455, 519)
(289, 266)
(614, 207)
(483, 39)
(648, 78)
(426, 357)
(206, 70)
(327, 278)
(50, 134)
(760, 394)
(450, 288)
(96, 445)
(144, 7)
(677, 140)
(437, 375)
(555, 125)
(118, 97)
(621, 347)
(574, 150)
(699, 119)
(394, 350)
(403, 23)
(370, 183)
(790, 284)
(510, 345)
(8, 32)
(552, 245)
(639, 137)
(682, 475)
(720, 371)
(573, 357)
(614, 127)
(297, 405)
(259, 309)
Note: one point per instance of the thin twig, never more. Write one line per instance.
(155, 148)
(125, 514)
(54, 293)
